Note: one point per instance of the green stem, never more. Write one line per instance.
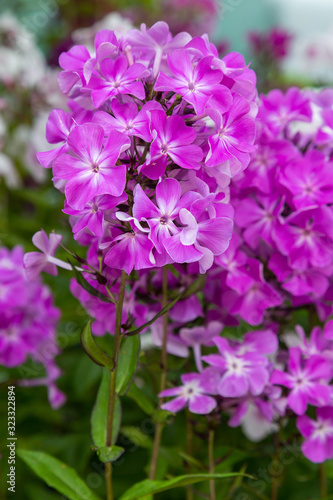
(189, 450)
(275, 478)
(211, 463)
(164, 360)
(113, 376)
(275, 488)
(322, 480)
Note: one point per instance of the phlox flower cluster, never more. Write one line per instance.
(279, 260)
(28, 320)
(157, 127)
(159, 133)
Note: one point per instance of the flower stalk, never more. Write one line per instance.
(164, 360)
(113, 377)
(211, 460)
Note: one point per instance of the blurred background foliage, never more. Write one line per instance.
(32, 203)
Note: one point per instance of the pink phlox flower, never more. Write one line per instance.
(196, 84)
(306, 380)
(278, 110)
(196, 393)
(171, 139)
(36, 262)
(200, 238)
(130, 250)
(175, 344)
(200, 335)
(318, 434)
(153, 44)
(311, 281)
(241, 373)
(127, 119)
(106, 46)
(234, 137)
(161, 216)
(91, 170)
(308, 180)
(258, 217)
(257, 296)
(306, 238)
(116, 78)
(94, 215)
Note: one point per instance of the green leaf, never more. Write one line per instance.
(137, 437)
(127, 363)
(88, 287)
(58, 475)
(99, 414)
(148, 487)
(109, 453)
(161, 416)
(141, 399)
(92, 349)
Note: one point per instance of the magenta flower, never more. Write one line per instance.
(311, 281)
(199, 241)
(306, 381)
(154, 43)
(196, 84)
(28, 321)
(58, 127)
(234, 137)
(116, 78)
(73, 61)
(127, 119)
(315, 344)
(92, 170)
(306, 238)
(234, 261)
(106, 46)
(328, 330)
(93, 216)
(131, 250)
(242, 373)
(175, 344)
(171, 139)
(36, 262)
(278, 109)
(318, 445)
(193, 393)
(161, 217)
(309, 181)
(259, 218)
(198, 336)
(257, 296)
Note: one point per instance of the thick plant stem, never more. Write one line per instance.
(164, 360)
(323, 480)
(113, 376)
(211, 463)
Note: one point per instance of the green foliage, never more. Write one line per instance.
(58, 475)
(100, 412)
(127, 363)
(95, 353)
(149, 487)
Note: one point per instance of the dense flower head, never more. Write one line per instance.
(158, 125)
(151, 160)
(281, 251)
(28, 321)
(279, 260)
